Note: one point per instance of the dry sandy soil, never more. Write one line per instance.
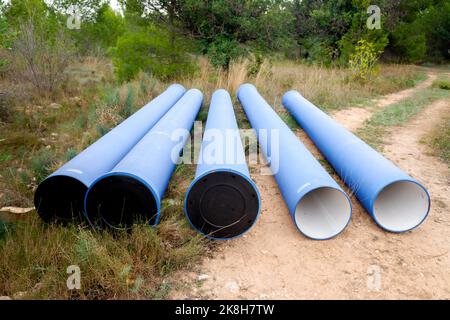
(274, 261)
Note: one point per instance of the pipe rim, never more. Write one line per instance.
(64, 190)
(342, 226)
(157, 201)
(234, 172)
(414, 226)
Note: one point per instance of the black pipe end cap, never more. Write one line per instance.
(222, 204)
(119, 201)
(60, 199)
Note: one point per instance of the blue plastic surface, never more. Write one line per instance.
(222, 152)
(152, 161)
(107, 152)
(363, 169)
(296, 171)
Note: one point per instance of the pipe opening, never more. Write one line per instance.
(119, 201)
(60, 199)
(401, 206)
(222, 204)
(323, 213)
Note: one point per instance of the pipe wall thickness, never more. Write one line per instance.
(133, 190)
(222, 202)
(319, 207)
(395, 201)
(61, 195)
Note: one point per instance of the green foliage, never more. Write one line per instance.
(101, 32)
(42, 164)
(424, 31)
(378, 38)
(442, 84)
(152, 50)
(70, 154)
(6, 37)
(223, 50)
(317, 50)
(363, 61)
(128, 106)
(409, 42)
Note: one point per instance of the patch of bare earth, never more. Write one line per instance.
(274, 261)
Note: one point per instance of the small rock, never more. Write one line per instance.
(232, 286)
(203, 277)
(55, 105)
(264, 252)
(5, 298)
(75, 99)
(16, 210)
(19, 295)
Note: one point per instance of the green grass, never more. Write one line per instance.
(440, 140)
(397, 114)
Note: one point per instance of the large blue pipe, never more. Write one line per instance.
(222, 202)
(133, 190)
(395, 201)
(61, 195)
(319, 207)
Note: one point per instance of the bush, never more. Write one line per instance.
(409, 43)
(151, 50)
(41, 56)
(363, 61)
(442, 84)
(101, 33)
(317, 50)
(223, 50)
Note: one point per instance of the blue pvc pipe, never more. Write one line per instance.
(319, 207)
(395, 201)
(222, 202)
(61, 195)
(133, 190)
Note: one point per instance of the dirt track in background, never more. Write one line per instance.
(354, 118)
(274, 261)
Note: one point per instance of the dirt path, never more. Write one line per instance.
(274, 261)
(353, 118)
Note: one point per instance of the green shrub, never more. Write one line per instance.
(223, 50)
(317, 50)
(442, 84)
(363, 61)
(409, 42)
(151, 50)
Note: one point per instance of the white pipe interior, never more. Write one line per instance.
(401, 206)
(323, 213)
